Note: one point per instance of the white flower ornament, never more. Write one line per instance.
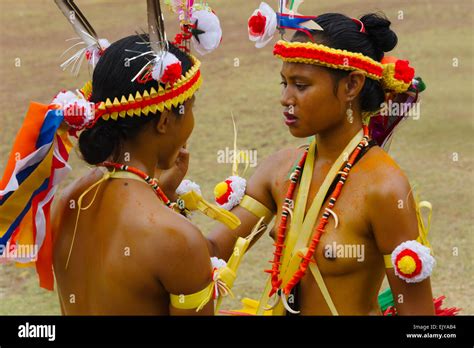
(262, 25)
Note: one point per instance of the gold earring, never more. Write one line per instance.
(350, 113)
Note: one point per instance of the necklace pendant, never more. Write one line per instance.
(280, 296)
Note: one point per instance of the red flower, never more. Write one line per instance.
(257, 24)
(403, 71)
(172, 73)
(178, 39)
(74, 115)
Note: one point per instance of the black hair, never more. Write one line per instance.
(342, 32)
(112, 79)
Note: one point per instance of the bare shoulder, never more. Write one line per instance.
(282, 159)
(271, 173)
(172, 232)
(175, 249)
(390, 203)
(78, 186)
(147, 218)
(166, 244)
(383, 175)
(69, 195)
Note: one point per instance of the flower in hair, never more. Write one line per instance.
(397, 74)
(207, 31)
(167, 68)
(403, 71)
(77, 111)
(262, 25)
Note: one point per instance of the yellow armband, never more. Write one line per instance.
(222, 280)
(256, 208)
(191, 301)
(422, 230)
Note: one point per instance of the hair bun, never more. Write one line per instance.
(98, 143)
(377, 26)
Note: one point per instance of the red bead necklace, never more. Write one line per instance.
(288, 204)
(148, 179)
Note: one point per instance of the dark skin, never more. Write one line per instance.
(131, 251)
(368, 207)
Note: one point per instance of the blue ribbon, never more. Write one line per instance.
(293, 22)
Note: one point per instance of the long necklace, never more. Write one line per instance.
(288, 205)
(148, 179)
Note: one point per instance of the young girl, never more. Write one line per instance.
(115, 244)
(128, 251)
(341, 193)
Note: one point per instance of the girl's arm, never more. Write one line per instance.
(222, 239)
(394, 221)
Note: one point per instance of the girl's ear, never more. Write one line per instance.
(354, 82)
(163, 122)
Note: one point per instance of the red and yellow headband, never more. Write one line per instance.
(396, 75)
(155, 99)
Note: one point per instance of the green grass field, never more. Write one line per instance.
(432, 34)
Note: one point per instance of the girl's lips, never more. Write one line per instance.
(290, 119)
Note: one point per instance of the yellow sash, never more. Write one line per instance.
(302, 226)
(322, 286)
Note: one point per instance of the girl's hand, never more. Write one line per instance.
(170, 179)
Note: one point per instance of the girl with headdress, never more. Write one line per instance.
(117, 242)
(342, 192)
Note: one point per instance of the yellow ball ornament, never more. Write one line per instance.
(220, 189)
(407, 265)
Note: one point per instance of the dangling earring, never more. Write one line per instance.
(350, 113)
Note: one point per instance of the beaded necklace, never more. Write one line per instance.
(148, 179)
(288, 205)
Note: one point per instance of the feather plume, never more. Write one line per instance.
(156, 27)
(78, 21)
(86, 33)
